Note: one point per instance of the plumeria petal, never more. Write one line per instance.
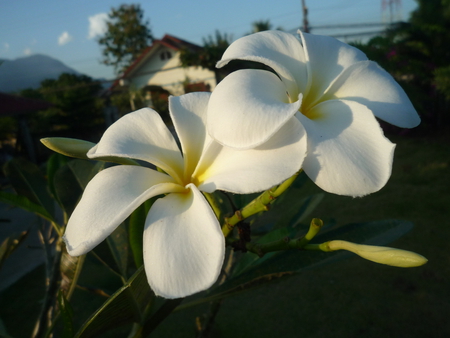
(183, 245)
(189, 119)
(109, 198)
(326, 58)
(248, 107)
(248, 171)
(141, 135)
(280, 51)
(347, 151)
(367, 83)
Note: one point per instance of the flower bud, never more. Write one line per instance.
(68, 146)
(381, 254)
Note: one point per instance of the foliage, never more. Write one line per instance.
(77, 110)
(416, 53)
(213, 49)
(126, 37)
(134, 303)
(260, 26)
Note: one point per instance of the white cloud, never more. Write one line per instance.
(97, 25)
(27, 51)
(64, 38)
(6, 46)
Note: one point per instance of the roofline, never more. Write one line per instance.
(147, 51)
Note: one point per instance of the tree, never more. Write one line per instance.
(77, 110)
(126, 37)
(207, 57)
(416, 53)
(260, 26)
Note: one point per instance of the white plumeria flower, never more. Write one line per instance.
(327, 85)
(183, 243)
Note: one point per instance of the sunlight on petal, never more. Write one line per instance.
(189, 119)
(109, 198)
(184, 246)
(280, 51)
(248, 107)
(141, 135)
(248, 171)
(367, 83)
(326, 58)
(347, 151)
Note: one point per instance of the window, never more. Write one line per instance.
(165, 55)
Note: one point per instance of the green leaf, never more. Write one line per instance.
(66, 314)
(119, 246)
(290, 262)
(10, 244)
(55, 162)
(136, 231)
(71, 179)
(25, 204)
(288, 210)
(249, 258)
(27, 180)
(3, 332)
(125, 306)
(136, 226)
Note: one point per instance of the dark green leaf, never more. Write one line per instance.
(125, 306)
(3, 332)
(71, 180)
(66, 314)
(10, 244)
(55, 162)
(136, 226)
(25, 204)
(288, 210)
(249, 258)
(27, 180)
(294, 261)
(119, 245)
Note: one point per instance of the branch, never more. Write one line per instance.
(260, 203)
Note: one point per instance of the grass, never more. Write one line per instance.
(350, 298)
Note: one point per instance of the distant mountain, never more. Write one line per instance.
(29, 72)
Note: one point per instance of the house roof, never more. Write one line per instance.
(11, 105)
(168, 41)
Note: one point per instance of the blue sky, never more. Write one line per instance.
(61, 28)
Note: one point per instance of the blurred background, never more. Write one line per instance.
(72, 68)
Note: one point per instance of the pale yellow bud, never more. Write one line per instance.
(381, 254)
(68, 146)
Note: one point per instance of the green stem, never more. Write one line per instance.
(286, 243)
(318, 247)
(260, 203)
(213, 203)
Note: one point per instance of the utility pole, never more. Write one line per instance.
(305, 17)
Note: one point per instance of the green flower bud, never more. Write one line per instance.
(68, 146)
(380, 254)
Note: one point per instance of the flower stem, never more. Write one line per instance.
(286, 243)
(260, 203)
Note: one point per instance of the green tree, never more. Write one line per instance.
(260, 26)
(207, 57)
(416, 53)
(127, 35)
(77, 111)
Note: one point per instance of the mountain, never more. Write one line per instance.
(29, 71)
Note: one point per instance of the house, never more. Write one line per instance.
(159, 66)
